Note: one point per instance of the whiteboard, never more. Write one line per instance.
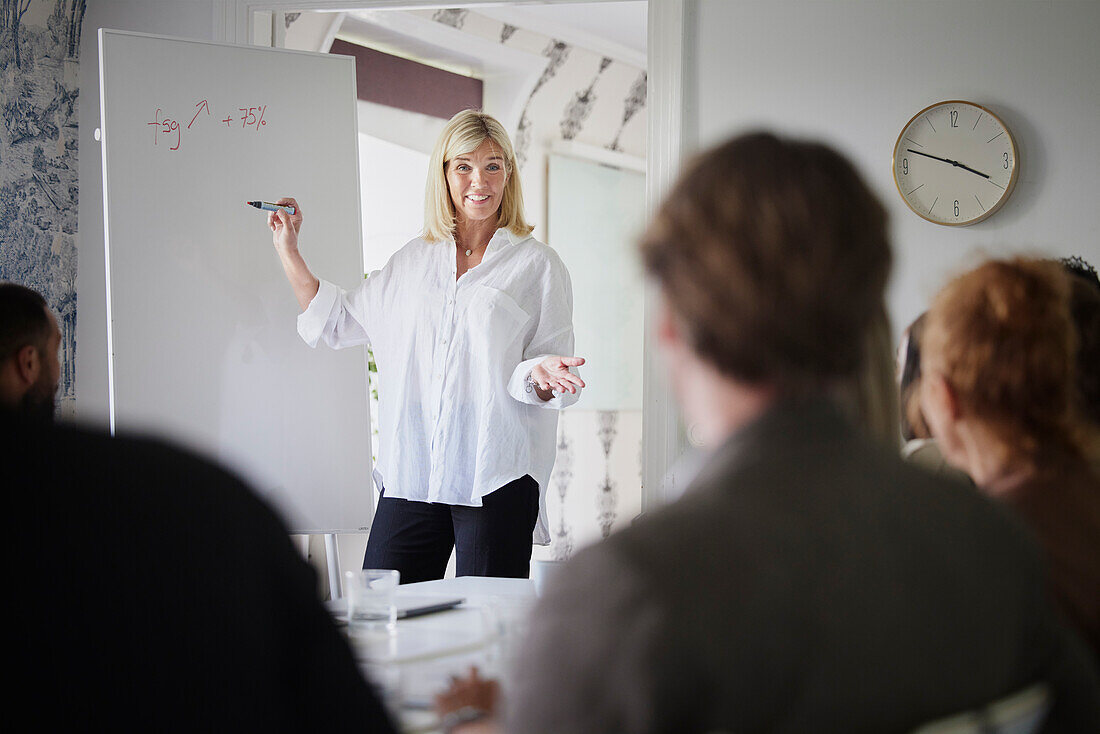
(202, 340)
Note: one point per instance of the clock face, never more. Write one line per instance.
(955, 163)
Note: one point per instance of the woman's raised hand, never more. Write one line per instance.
(284, 233)
(285, 227)
(553, 373)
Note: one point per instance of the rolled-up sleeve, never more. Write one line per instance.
(553, 336)
(518, 387)
(339, 317)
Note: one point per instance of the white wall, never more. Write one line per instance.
(389, 177)
(854, 71)
(189, 19)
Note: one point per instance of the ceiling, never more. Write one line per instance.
(621, 23)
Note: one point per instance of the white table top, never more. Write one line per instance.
(489, 603)
(415, 663)
(474, 588)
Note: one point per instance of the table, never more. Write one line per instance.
(411, 666)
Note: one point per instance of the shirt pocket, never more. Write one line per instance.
(501, 301)
(497, 324)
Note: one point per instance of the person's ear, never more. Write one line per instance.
(669, 329)
(28, 364)
(938, 401)
(949, 398)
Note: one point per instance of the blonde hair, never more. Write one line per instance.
(463, 134)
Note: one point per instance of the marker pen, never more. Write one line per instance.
(268, 207)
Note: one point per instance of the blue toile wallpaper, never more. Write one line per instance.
(39, 85)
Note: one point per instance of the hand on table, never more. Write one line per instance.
(472, 693)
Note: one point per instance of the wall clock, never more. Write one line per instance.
(955, 163)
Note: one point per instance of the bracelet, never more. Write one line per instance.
(464, 715)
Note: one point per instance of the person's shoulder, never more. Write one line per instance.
(600, 582)
(198, 486)
(535, 249)
(674, 563)
(686, 534)
(144, 477)
(415, 249)
(945, 508)
(539, 257)
(410, 258)
(797, 489)
(937, 490)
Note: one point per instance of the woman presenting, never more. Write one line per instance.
(471, 325)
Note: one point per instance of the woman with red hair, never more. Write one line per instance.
(996, 390)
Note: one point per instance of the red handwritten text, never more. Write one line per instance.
(162, 125)
(250, 116)
(167, 127)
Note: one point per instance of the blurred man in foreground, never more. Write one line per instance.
(152, 589)
(808, 579)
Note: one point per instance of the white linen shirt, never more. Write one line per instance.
(455, 415)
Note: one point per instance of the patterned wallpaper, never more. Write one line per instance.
(581, 95)
(596, 484)
(589, 98)
(39, 87)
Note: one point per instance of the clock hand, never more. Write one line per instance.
(968, 168)
(934, 157)
(948, 160)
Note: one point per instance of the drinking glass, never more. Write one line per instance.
(372, 609)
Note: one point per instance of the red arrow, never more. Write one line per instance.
(201, 105)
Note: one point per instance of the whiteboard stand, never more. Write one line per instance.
(332, 555)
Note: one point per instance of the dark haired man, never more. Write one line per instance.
(29, 366)
(808, 580)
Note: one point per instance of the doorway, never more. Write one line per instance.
(593, 456)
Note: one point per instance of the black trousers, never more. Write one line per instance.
(416, 538)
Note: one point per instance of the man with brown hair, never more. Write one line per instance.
(29, 366)
(808, 580)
